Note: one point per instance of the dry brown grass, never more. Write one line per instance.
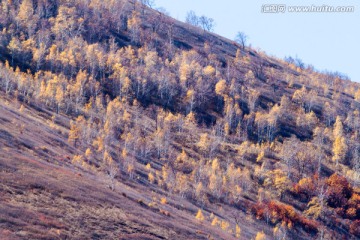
(43, 196)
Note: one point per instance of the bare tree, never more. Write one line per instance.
(206, 23)
(241, 38)
(163, 11)
(192, 19)
(111, 168)
(252, 99)
(148, 3)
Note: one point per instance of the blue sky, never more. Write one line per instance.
(328, 41)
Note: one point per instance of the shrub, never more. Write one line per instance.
(163, 200)
(200, 216)
(339, 190)
(284, 213)
(260, 236)
(305, 188)
(355, 228)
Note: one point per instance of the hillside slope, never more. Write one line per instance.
(119, 122)
(43, 196)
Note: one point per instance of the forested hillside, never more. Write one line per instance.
(120, 122)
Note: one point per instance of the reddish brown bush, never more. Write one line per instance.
(355, 228)
(284, 213)
(354, 207)
(166, 213)
(339, 191)
(305, 188)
